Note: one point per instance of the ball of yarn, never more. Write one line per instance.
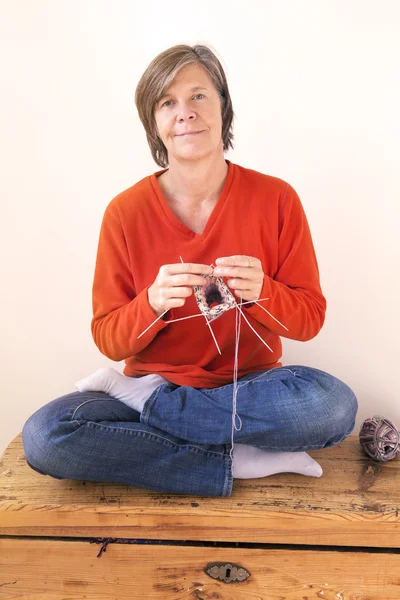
(380, 438)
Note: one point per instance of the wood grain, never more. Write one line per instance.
(60, 570)
(355, 503)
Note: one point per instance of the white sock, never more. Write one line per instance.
(133, 391)
(250, 462)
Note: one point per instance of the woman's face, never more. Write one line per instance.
(190, 104)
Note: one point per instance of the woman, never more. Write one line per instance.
(168, 423)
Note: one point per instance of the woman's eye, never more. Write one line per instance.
(168, 103)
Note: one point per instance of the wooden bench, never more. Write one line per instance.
(284, 537)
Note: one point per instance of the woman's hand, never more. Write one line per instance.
(173, 285)
(245, 273)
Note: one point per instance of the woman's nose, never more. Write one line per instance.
(185, 113)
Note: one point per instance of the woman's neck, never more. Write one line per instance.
(194, 183)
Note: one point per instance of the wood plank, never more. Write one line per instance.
(355, 502)
(68, 570)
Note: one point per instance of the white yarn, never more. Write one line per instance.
(235, 382)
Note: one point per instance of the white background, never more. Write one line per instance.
(316, 93)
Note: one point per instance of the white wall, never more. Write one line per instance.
(316, 92)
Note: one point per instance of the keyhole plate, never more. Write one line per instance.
(227, 572)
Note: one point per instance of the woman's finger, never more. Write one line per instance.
(239, 284)
(238, 260)
(240, 272)
(238, 266)
(193, 268)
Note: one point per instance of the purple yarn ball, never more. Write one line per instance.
(380, 438)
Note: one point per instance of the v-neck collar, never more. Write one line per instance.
(173, 219)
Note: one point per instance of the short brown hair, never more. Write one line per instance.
(158, 76)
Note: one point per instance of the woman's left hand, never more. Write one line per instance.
(245, 273)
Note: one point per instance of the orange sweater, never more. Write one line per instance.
(256, 215)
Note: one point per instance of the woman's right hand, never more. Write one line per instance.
(173, 285)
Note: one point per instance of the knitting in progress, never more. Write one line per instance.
(214, 299)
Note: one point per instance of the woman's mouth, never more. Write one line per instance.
(189, 134)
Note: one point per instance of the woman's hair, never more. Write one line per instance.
(157, 78)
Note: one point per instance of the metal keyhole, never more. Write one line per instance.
(227, 572)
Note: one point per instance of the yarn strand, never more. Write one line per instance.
(235, 379)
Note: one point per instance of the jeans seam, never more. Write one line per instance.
(87, 402)
(309, 447)
(154, 436)
(263, 375)
(228, 477)
(145, 414)
(242, 384)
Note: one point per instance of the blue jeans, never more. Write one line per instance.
(181, 441)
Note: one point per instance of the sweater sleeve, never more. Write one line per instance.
(120, 315)
(294, 292)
